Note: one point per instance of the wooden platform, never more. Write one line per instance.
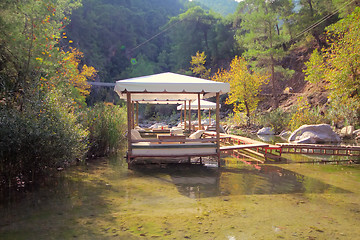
(242, 146)
(252, 146)
(319, 149)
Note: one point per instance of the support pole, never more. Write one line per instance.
(190, 116)
(137, 113)
(132, 115)
(218, 127)
(209, 117)
(184, 115)
(181, 116)
(199, 112)
(128, 106)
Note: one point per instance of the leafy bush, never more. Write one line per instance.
(305, 114)
(277, 119)
(44, 134)
(107, 127)
(237, 119)
(343, 113)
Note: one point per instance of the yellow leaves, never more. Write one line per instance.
(244, 85)
(75, 75)
(197, 65)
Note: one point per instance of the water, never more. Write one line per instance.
(106, 200)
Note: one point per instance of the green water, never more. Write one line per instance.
(106, 200)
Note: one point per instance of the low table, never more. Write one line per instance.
(173, 138)
(159, 130)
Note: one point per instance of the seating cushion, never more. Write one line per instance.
(176, 131)
(135, 135)
(197, 134)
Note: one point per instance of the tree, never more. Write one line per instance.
(75, 75)
(244, 86)
(263, 39)
(190, 34)
(312, 12)
(40, 83)
(339, 64)
(197, 65)
(30, 34)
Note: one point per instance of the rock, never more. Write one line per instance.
(356, 132)
(347, 131)
(285, 134)
(266, 131)
(320, 133)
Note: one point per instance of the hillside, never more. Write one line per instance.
(224, 7)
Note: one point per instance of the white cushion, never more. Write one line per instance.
(135, 135)
(197, 134)
(176, 131)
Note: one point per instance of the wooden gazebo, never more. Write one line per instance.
(171, 88)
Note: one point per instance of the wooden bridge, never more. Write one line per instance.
(265, 150)
(317, 149)
(253, 147)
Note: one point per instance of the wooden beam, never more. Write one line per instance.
(218, 126)
(189, 115)
(209, 116)
(199, 112)
(137, 113)
(184, 115)
(132, 115)
(181, 116)
(128, 106)
(243, 146)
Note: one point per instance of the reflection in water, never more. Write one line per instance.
(201, 181)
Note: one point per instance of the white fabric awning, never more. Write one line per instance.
(169, 87)
(204, 105)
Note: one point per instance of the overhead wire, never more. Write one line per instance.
(314, 25)
(148, 40)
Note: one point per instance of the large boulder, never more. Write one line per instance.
(266, 131)
(321, 133)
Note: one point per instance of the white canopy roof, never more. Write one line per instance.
(204, 105)
(169, 87)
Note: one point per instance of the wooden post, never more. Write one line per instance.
(209, 117)
(128, 105)
(199, 112)
(184, 115)
(181, 116)
(218, 127)
(132, 115)
(137, 113)
(190, 116)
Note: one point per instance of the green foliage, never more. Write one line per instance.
(311, 12)
(199, 30)
(277, 119)
(111, 33)
(263, 37)
(44, 135)
(236, 119)
(224, 7)
(305, 114)
(339, 64)
(341, 114)
(314, 72)
(107, 125)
